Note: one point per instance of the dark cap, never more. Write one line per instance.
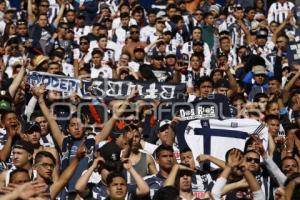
(21, 144)
(116, 132)
(30, 127)
(10, 10)
(157, 56)
(262, 33)
(170, 54)
(21, 22)
(110, 152)
(164, 124)
(222, 83)
(198, 42)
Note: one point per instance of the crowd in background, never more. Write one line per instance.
(237, 49)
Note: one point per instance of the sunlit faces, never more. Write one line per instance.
(117, 189)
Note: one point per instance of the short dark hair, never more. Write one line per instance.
(17, 170)
(42, 154)
(97, 51)
(228, 152)
(258, 96)
(161, 148)
(289, 158)
(134, 26)
(202, 80)
(271, 117)
(6, 112)
(170, 6)
(273, 78)
(113, 175)
(85, 37)
(184, 150)
(167, 192)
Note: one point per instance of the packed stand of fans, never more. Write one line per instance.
(52, 147)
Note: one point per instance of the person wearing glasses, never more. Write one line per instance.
(45, 164)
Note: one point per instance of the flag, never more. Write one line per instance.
(215, 137)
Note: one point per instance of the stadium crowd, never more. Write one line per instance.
(56, 144)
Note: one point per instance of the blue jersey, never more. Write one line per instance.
(155, 182)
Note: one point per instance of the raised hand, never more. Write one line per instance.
(126, 163)
(202, 157)
(97, 162)
(81, 151)
(39, 91)
(235, 158)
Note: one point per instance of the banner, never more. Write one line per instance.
(293, 53)
(215, 106)
(215, 137)
(106, 88)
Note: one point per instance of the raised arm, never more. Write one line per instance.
(81, 184)
(30, 14)
(235, 158)
(232, 81)
(281, 26)
(142, 187)
(216, 161)
(117, 114)
(254, 186)
(16, 82)
(289, 85)
(55, 130)
(60, 14)
(11, 134)
(58, 185)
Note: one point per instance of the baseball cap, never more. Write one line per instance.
(116, 132)
(30, 127)
(11, 10)
(111, 152)
(214, 8)
(164, 124)
(157, 56)
(262, 33)
(170, 54)
(22, 144)
(259, 69)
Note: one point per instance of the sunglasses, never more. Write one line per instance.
(64, 27)
(83, 43)
(256, 160)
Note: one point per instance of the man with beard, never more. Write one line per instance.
(143, 163)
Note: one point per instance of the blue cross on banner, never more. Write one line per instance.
(215, 137)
